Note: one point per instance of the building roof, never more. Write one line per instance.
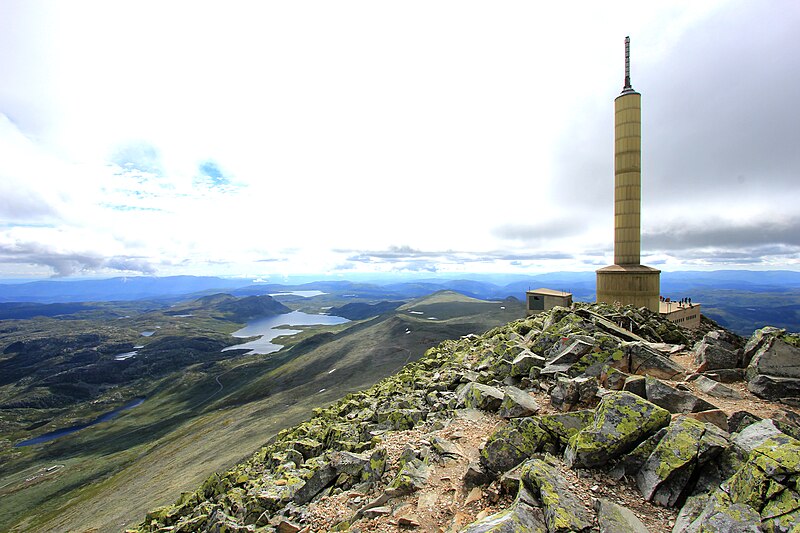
(627, 268)
(550, 292)
(666, 308)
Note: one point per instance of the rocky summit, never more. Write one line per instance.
(594, 418)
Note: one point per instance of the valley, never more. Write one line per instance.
(202, 403)
(204, 408)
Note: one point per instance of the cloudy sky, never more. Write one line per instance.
(261, 139)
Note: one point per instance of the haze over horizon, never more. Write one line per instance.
(347, 138)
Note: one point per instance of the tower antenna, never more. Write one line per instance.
(627, 63)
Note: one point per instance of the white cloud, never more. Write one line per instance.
(359, 125)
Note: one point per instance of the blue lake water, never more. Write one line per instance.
(267, 328)
(53, 435)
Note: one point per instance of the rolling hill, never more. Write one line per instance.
(209, 413)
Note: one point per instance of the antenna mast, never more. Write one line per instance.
(627, 63)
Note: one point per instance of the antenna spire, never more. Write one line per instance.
(627, 64)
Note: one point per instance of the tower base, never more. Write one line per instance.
(636, 285)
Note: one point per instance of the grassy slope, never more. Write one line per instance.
(122, 473)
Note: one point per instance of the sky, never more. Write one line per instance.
(263, 139)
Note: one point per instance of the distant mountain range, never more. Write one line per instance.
(741, 300)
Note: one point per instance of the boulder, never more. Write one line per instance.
(646, 361)
(564, 426)
(614, 518)
(717, 390)
(322, 477)
(665, 476)
(411, 477)
(756, 434)
(475, 475)
(712, 416)
(716, 513)
(768, 481)
(563, 510)
(567, 356)
(725, 375)
(711, 475)
(517, 403)
(674, 400)
(778, 359)
(613, 379)
(363, 468)
(511, 445)
(621, 421)
(758, 340)
(773, 387)
(636, 385)
(717, 349)
(740, 420)
(567, 394)
(307, 447)
(726, 339)
(523, 516)
(479, 396)
(788, 422)
(524, 362)
(630, 464)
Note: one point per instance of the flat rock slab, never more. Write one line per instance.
(480, 396)
(645, 361)
(725, 375)
(716, 389)
(774, 387)
(755, 434)
(674, 400)
(517, 403)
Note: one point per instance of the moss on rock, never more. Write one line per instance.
(621, 421)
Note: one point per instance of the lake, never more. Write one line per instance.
(304, 294)
(267, 329)
(53, 435)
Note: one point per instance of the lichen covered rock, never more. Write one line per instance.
(621, 421)
(614, 518)
(688, 444)
(563, 510)
(512, 444)
(480, 396)
(716, 513)
(768, 482)
(523, 516)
